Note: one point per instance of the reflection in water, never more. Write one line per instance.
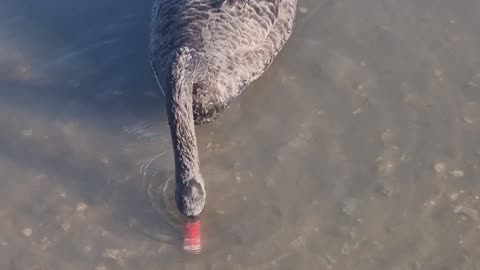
(358, 149)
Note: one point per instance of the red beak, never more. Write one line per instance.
(192, 242)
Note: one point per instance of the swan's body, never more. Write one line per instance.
(204, 53)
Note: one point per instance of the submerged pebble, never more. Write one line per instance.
(385, 167)
(385, 189)
(27, 232)
(298, 242)
(440, 167)
(81, 207)
(457, 173)
(105, 160)
(117, 255)
(87, 248)
(45, 243)
(467, 211)
(66, 226)
(349, 206)
(387, 136)
(454, 196)
(27, 132)
(302, 10)
(347, 248)
(357, 111)
(132, 222)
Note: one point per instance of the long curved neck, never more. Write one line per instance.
(180, 116)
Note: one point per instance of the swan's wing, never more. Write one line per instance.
(236, 38)
(241, 24)
(242, 40)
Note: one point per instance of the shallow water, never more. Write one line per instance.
(358, 148)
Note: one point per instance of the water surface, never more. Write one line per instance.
(358, 148)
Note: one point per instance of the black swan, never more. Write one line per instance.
(204, 53)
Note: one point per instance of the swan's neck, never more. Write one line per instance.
(180, 116)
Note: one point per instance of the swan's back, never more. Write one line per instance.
(231, 41)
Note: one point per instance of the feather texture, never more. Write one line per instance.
(204, 53)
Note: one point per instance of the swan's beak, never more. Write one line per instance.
(192, 239)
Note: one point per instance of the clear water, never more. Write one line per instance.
(358, 149)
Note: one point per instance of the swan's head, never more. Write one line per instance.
(190, 198)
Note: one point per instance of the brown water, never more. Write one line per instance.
(358, 149)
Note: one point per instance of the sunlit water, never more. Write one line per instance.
(358, 149)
